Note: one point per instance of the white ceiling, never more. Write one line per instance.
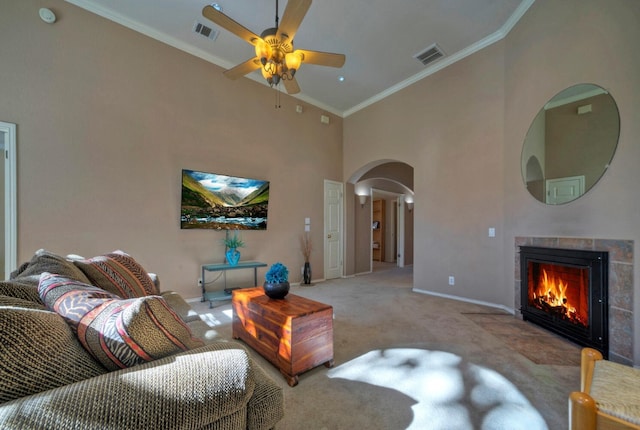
(379, 38)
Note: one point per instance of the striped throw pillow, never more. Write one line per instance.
(119, 333)
(118, 273)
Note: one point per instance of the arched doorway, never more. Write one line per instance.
(382, 220)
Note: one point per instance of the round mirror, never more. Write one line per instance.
(570, 144)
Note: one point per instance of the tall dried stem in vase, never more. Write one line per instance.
(306, 246)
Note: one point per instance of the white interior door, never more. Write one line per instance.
(10, 247)
(333, 266)
(562, 190)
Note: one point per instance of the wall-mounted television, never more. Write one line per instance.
(219, 202)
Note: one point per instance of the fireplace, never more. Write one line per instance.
(565, 291)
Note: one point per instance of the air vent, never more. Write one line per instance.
(205, 31)
(429, 55)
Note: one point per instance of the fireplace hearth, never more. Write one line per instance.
(566, 291)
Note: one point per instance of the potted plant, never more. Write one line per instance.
(232, 243)
(276, 284)
(305, 248)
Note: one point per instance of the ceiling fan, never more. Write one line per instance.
(275, 55)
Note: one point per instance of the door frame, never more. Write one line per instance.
(10, 198)
(400, 230)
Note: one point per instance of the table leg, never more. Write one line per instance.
(292, 380)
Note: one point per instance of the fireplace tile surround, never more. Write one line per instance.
(620, 285)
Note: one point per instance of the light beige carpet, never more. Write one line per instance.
(405, 360)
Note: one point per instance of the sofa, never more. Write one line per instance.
(87, 346)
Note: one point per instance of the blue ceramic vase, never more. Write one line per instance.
(233, 256)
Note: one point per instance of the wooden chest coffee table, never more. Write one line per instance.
(295, 334)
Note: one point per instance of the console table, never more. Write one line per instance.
(225, 294)
(295, 333)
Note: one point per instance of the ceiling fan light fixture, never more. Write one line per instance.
(263, 51)
(278, 60)
(293, 61)
(275, 55)
(267, 76)
(270, 68)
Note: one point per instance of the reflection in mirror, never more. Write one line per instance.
(570, 144)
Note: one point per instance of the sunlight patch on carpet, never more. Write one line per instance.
(449, 392)
(213, 321)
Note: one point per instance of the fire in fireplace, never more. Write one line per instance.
(565, 291)
(560, 290)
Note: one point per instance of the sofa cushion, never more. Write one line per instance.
(39, 352)
(20, 303)
(45, 261)
(119, 333)
(118, 273)
(20, 290)
(23, 282)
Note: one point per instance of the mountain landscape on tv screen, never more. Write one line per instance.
(212, 201)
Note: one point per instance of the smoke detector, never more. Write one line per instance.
(47, 15)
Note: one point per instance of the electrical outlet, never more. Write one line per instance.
(452, 280)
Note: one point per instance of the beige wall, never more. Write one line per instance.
(462, 130)
(362, 235)
(107, 119)
(449, 129)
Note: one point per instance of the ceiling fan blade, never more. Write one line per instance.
(293, 15)
(243, 68)
(291, 85)
(322, 58)
(230, 25)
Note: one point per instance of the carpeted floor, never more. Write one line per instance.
(530, 340)
(405, 360)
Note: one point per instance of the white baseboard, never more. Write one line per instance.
(362, 273)
(464, 299)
